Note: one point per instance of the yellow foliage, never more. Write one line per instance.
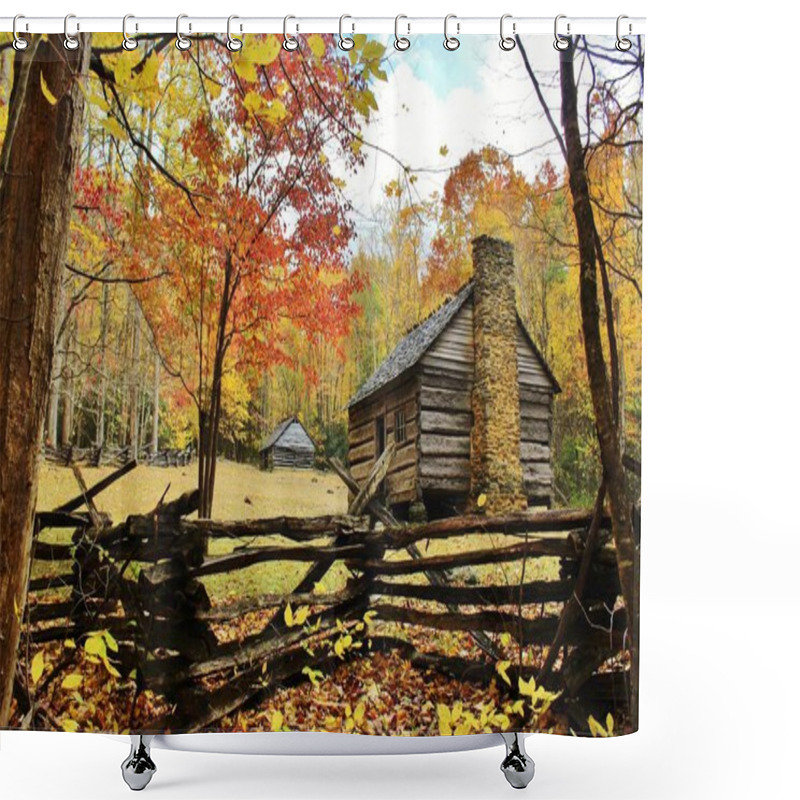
(48, 95)
(37, 668)
(72, 681)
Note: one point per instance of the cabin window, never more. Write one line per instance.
(400, 426)
(380, 436)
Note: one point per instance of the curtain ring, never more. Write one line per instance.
(561, 43)
(345, 42)
(289, 42)
(127, 42)
(19, 43)
(70, 42)
(234, 45)
(401, 42)
(507, 42)
(181, 42)
(623, 44)
(451, 42)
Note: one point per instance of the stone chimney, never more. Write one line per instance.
(495, 464)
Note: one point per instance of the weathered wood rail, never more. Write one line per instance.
(168, 626)
(104, 455)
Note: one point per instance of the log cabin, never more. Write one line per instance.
(289, 445)
(468, 399)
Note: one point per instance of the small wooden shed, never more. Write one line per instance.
(289, 445)
(468, 399)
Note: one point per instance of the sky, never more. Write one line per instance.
(464, 99)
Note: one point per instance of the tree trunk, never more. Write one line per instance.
(36, 190)
(156, 390)
(602, 401)
(100, 437)
(58, 367)
(133, 386)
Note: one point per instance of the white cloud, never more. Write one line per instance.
(493, 104)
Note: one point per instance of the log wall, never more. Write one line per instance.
(401, 484)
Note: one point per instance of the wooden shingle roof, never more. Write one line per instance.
(296, 438)
(418, 340)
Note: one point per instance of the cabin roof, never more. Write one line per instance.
(419, 339)
(297, 439)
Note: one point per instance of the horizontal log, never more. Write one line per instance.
(434, 399)
(253, 650)
(51, 582)
(532, 451)
(535, 430)
(47, 612)
(47, 551)
(259, 555)
(118, 627)
(299, 529)
(434, 378)
(444, 467)
(231, 611)
(525, 631)
(433, 444)
(61, 519)
(533, 548)
(446, 486)
(444, 422)
(529, 593)
(551, 521)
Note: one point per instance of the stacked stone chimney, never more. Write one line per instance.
(495, 464)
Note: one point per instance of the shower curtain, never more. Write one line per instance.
(320, 384)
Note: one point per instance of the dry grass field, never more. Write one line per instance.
(242, 491)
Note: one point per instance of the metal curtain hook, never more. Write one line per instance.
(289, 42)
(401, 42)
(507, 42)
(234, 45)
(19, 43)
(451, 42)
(623, 44)
(70, 42)
(181, 42)
(127, 42)
(345, 42)
(561, 42)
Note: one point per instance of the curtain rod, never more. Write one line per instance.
(302, 25)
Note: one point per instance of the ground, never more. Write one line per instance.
(242, 490)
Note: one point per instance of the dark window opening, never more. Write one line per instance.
(380, 436)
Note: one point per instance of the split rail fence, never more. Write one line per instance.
(142, 580)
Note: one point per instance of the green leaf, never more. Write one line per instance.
(69, 725)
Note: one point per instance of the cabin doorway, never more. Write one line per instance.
(380, 436)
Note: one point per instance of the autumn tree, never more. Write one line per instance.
(599, 325)
(255, 234)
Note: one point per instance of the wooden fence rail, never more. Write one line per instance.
(149, 570)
